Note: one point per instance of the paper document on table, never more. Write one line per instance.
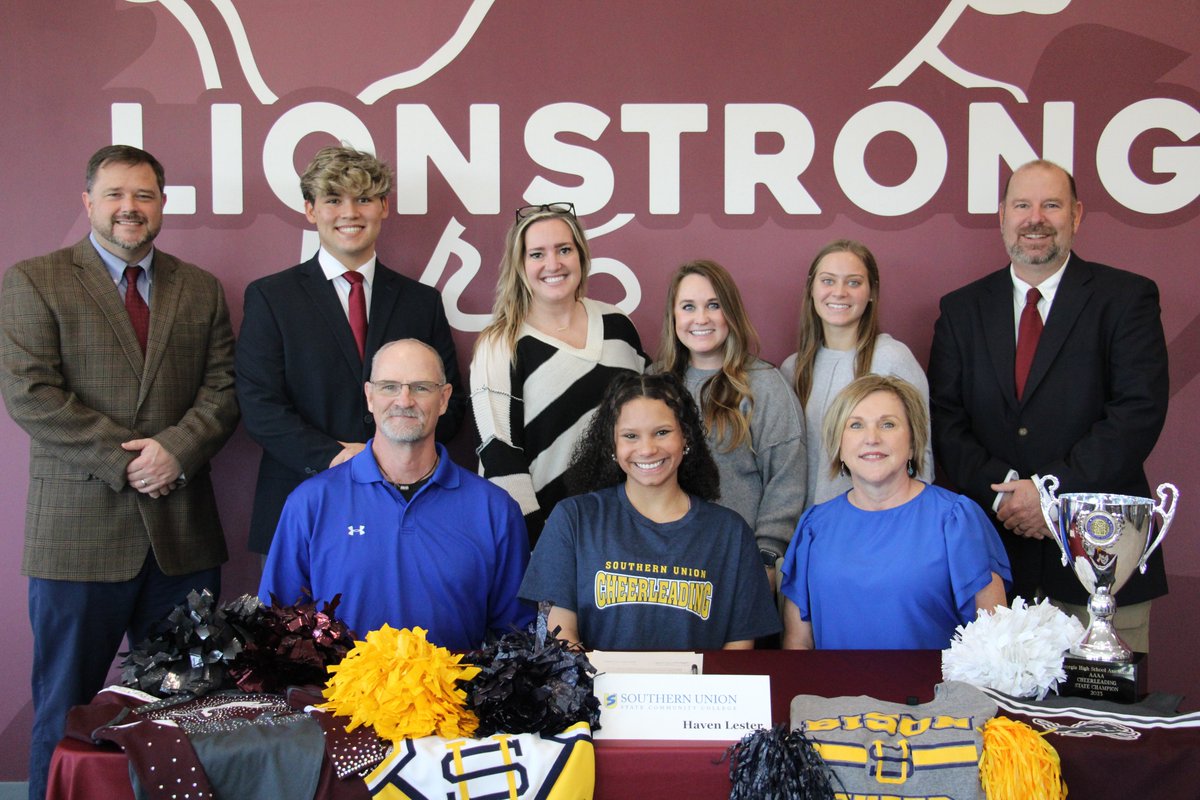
(647, 663)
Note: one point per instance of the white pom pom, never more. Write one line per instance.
(1018, 650)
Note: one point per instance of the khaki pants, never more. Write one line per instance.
(1132, 622)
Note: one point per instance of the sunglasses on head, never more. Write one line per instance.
(554, 208)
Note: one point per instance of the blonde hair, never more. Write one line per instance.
(722, 396)
(513, 295)
(344, 170)
(858, 390)
(811, 337)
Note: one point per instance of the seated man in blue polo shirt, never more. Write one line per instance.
(405, 535)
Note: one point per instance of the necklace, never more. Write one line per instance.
(570, 319)
(404, 487)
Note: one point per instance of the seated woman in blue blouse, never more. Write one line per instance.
(894, 563)
(645, 560)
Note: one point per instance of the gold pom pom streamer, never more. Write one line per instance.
(1018, 763)
(403, 686)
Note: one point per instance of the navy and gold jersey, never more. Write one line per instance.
(500, 767)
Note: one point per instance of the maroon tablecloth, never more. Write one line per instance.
(1094, 767)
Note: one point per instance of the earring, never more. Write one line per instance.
(844, 472)
(687, 449)
(613, 457)
(911, 471)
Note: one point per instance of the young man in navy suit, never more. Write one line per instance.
(1074, 386)
(309, 333)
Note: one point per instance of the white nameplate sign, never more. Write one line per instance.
(682, 707)
(643, 662)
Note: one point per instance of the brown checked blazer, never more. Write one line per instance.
(74, 378)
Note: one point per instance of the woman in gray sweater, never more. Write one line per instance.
(839, 341)
(755, 428)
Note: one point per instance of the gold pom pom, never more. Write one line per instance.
(1018, 763)
(403, 686)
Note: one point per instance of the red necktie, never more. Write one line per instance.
(358, 310)
(139, 312)
(1028, 334)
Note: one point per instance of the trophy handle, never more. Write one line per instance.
(1168, 495)
(1047, 485)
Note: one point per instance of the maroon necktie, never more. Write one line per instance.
(1028, 334)
(358, 310)
(139, 312)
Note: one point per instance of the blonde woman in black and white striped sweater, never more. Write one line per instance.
(542, 365)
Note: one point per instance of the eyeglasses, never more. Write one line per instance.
(554, 208)
(415, 388)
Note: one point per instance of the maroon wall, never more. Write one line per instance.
(748, 133)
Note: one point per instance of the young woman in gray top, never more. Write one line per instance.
(755, 428)
(839, 341)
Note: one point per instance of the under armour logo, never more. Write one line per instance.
(353, 530)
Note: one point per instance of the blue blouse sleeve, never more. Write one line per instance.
(795, 565)
(973, 552)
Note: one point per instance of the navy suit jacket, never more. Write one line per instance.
(300, 379)
(1094, 403)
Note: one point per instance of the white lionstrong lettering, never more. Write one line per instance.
(991, 136)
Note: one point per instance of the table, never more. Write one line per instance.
(695, 770)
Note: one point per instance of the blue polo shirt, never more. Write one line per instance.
(450, 560)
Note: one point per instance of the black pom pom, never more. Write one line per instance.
(288, 645)
(531, 682)
(199, 648)
(187, 652)
(778, 764)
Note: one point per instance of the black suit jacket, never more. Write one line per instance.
(300, 380)
(1094, 403)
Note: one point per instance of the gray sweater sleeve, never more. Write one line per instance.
(763, 480)
(777, 429)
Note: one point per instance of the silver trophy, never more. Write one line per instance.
(1104, 537)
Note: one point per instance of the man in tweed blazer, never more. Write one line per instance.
(121, 521)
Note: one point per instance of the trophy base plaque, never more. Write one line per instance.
(1116, 681)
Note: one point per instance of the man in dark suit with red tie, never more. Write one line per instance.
(1051, 366)
(309, 333)
(117, 359)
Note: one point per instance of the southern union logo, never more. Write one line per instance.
(356, 530)
(610, 700)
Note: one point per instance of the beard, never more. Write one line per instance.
(106, 232)
(403, 428)
(1048, 256)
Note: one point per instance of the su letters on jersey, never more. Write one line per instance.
(499, 767)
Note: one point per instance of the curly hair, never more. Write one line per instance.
(594, 465)
(812, 333)
(343, 169)
(726, 401)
